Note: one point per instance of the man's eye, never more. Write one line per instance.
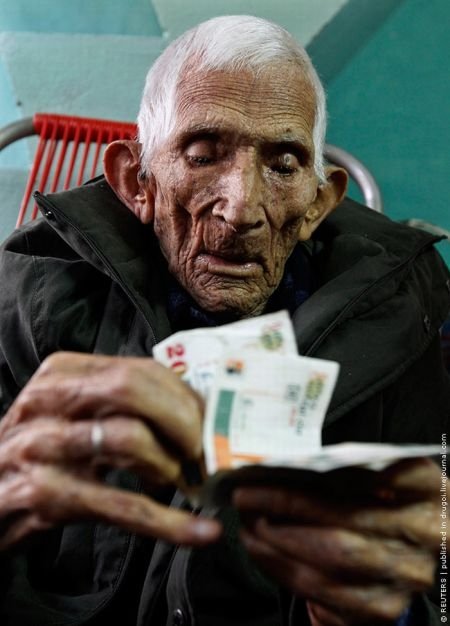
(199, 160)
(285, 164)
(201, 152)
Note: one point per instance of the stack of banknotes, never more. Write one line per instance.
(265, 404)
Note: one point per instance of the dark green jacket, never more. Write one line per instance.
(89, 277)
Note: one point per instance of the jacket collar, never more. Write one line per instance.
(93, 221)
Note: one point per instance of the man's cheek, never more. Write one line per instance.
(170, 230)
(187, 192)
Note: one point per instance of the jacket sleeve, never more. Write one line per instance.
(20, 317)
(50, 299)
(416, 408)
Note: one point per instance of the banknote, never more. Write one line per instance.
(265, 405)
(372, 456)
(194, 354)
(344, 470)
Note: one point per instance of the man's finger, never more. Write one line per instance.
(55, 496)
(93, 386)
(350, 555)
(417, 522)
(411, 476)
(357, 603)
(124, 442)
(322, 616)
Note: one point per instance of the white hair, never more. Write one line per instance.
(232, 43)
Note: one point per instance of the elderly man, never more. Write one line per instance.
(223, 210)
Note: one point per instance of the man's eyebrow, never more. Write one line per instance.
(198, 131)
(288, 141)
(291, 142)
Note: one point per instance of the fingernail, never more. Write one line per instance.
(206, 529)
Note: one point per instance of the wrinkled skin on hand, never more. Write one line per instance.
(151, 423)
(356, 559)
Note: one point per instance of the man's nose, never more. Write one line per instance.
(241, 193)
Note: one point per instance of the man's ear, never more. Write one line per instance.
(329, 195)
(121, 169)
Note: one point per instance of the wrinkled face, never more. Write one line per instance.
(233, 183)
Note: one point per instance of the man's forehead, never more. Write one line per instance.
(220, 101)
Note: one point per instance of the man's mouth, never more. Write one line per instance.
(231, 265)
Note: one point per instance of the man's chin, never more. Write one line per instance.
(230, 302)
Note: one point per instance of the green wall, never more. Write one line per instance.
(390, 106)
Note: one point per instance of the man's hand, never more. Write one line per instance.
(81, 412)
(356, 559)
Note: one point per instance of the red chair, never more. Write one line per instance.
(68, 152)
